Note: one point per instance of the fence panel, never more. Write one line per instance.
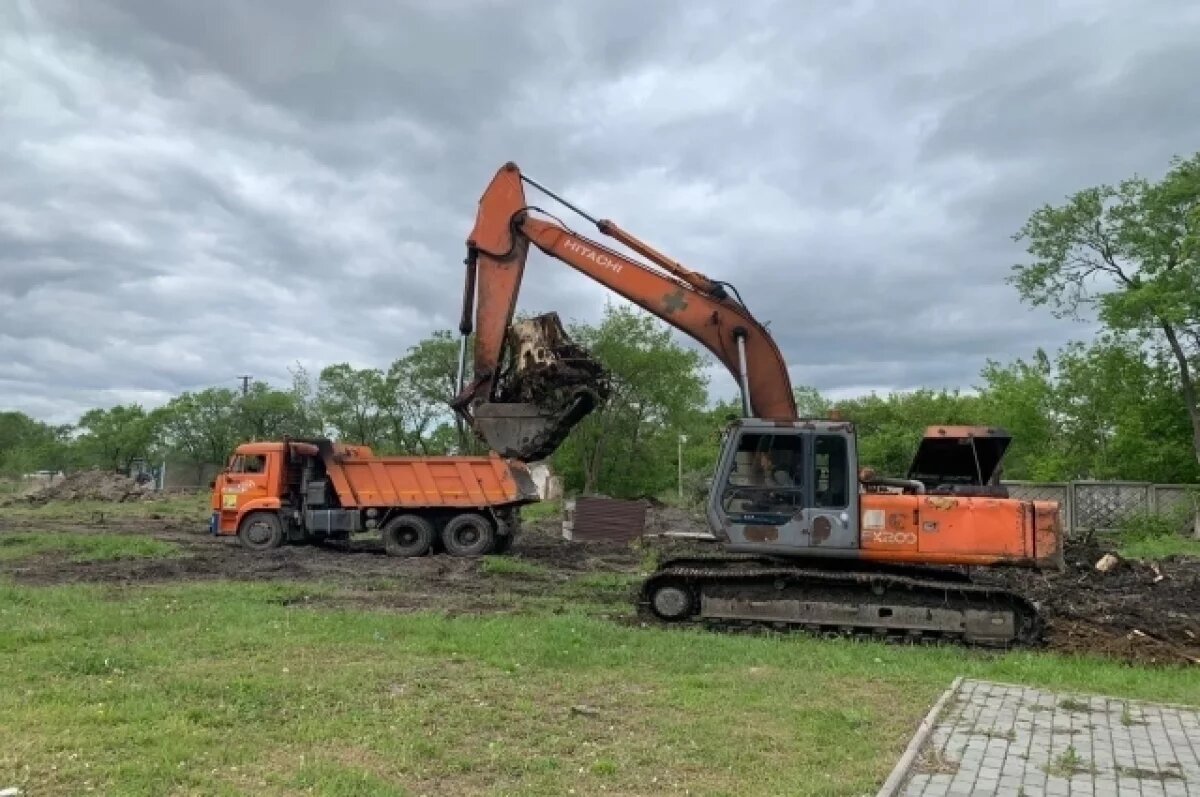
(1103, 506)
(1177, 502)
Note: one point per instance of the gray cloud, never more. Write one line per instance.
(190, 191)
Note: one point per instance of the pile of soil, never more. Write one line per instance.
(91, 485)
(1139, 611)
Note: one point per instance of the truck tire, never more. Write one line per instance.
(469, 534)
(261, 531)
(407, 535)
(503, 543)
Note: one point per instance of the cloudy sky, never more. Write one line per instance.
(192, 191)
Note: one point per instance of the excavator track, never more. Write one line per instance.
(929, 605)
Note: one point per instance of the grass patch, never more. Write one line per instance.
(226, 688)
(1149, 535)
(84, 547)
(178, 506)
(510, 566)
(542, 510)
(1068, 764)
(1159, 547)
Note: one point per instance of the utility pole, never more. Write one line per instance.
(682, 440)
(245, 384)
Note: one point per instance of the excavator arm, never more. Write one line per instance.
(698, 306)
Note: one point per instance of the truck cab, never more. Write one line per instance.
(255, 478)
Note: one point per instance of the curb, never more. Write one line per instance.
(895, 781)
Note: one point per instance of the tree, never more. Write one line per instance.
(202, 427)
(419, 387)
(1022, 397)
(629, 445)
(113, 438)
(1131, 253)
(889, 427)
(28, 445)
(351, 403)
(265, 413)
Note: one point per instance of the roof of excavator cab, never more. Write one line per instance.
(807, 424)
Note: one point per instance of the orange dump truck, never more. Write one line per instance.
(310, 490)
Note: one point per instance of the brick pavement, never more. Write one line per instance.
(1001, 739)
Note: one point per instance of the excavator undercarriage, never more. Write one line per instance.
(913, 604)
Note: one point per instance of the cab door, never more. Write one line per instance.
(245, 480)
(782, 488)
(832, 513)
(760, 493)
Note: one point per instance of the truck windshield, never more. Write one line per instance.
(248, 463)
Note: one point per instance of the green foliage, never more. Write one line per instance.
(113, 438)
(1131, 255)
(889, 427)
(629, 446)
(28, 445)
(1149, 535)
(1107, 410)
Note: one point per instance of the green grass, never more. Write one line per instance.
(543, 510)
(1159, 547)
(172, 506)
(510, 566)
(229, 688)
(84, 547)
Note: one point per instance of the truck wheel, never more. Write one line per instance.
(504, 542)
(468, 535)
(407, 535)
(261, 531)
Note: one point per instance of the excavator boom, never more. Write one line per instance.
(505, 227)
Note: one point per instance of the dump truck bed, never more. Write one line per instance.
(452, 482)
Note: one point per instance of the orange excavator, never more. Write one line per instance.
(810, 539)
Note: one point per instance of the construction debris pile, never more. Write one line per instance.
(90, 485)
(1106, 605)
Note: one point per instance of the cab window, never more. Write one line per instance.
(250, 463)
(831, 471)
(767, 475)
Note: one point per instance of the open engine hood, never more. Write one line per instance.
(959, 455)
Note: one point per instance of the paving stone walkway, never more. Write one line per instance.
(999, 739)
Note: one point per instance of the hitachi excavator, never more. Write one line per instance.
(809, 539)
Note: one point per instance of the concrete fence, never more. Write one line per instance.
(1103, 506)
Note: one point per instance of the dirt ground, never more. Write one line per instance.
(1145, 612)
(1137, 612)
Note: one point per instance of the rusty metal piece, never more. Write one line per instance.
(762, 533)
(822, 528)
(611, 519)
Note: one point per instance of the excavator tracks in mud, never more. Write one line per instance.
(921, 606)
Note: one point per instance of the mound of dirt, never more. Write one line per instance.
(1138, 611)
(92, 485)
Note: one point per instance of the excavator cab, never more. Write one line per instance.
(785, 486)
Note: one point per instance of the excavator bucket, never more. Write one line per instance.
(549, 386)
(528, 432)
